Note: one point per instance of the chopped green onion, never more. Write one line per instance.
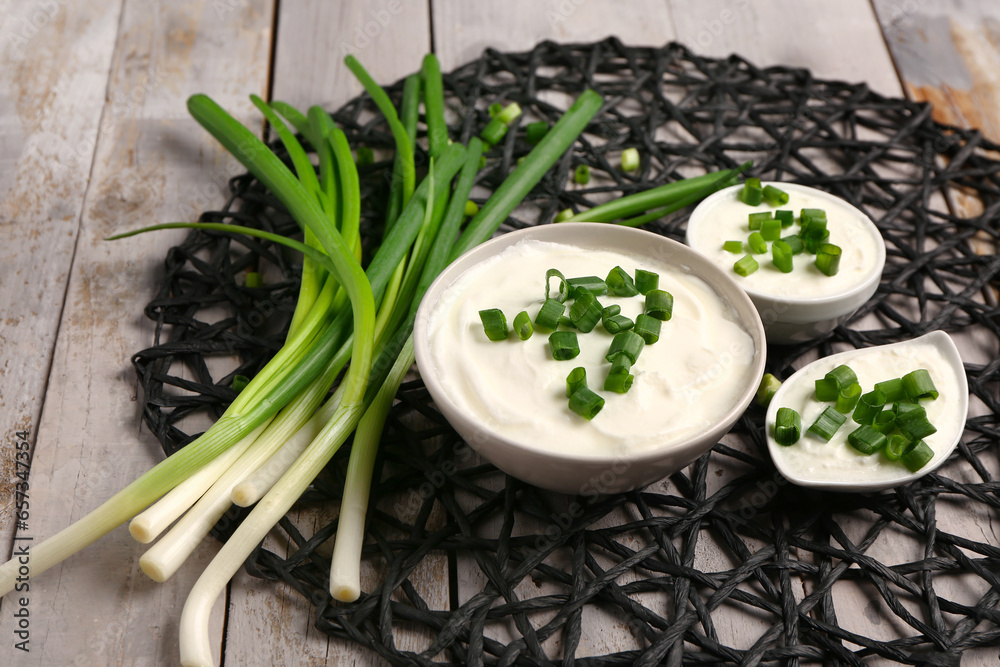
(893, 389)
(618, 382)
(617, 323)
(366, 156)
(549, 314)
(564, 345)
(577, 379)
(756, 220)
(828, 259)
(794, 242)
(751, 193)
(509, 113)
(253, 279)
(917, 456)
(585, 312)
(866, 440)
(787, 427)
(535, 131)
(495, 109)
(630, 159)
(494, 323)
(659, 304)
(733, 246)
(745, 265)
(563, 292)
(765, 391)
(885, 422)
(239, 382)
(918, 384)
(585, 403)
(771, 230)
(787, 217)
(814, 238)
(648, 327)
(895, 446)
(563, 215)
(827, 389)
(591, 284)
(914, 424)
(757, 243)
(628, 343)
(904, 406)
(621, 364)
(843, 375)
(611, 311)
(781, 256)
(581, 175)
(620, 283)
(848, 398)
(494, 131)
(471, 207)
(646, 281)
(828, 422)
(869, 405)
(522, 325)
(774, 196)
(812, 216)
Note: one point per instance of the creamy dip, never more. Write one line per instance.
(723, 217)
(684, 383)
(836, 461)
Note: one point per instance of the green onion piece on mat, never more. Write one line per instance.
(563, 215)
(868, 406)
(843, 375)
(239, 382)
(628, 343)
(522, 325)
(471, 208)
(827, 424)
(630, 159)
(885, 422)
(585, 403)
(659, 304)
(794, 242)
(366, 156)
(581, 175)
(827, 390)
(758, 245)
(564, 345)
(848, 398)
(787, 217)
(591, 284)
(918, 384)
(765, 391)
(866, 440)
(751, 194)
(494, 323)
(771, 230)
(509, 113)
(577, 379)
(775, 196)
(756, 220)
(787, 427)
(494, 131)
(617, 323)
(253, 279)
(585, 312)
(745, 265)
(563, 293)
(648, 327)
(619, 383)
(549, 314)
(620, 283)
(893, 389)
(781, 256)
(828, 259)
(535, 131)
(733, 246)
(646, 281)
(895, 446)
(495, 109)
(914, 424)
(917, 456)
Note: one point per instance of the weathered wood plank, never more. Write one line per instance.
(152, 164)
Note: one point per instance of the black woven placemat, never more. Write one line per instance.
(668, 569)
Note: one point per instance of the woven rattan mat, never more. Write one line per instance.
(723, 562)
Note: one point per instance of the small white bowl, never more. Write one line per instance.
(835, 466)
(587, 473)
(788, 305)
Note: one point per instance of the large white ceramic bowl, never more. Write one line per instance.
(835, 465)
(804, 304)
(588, 473)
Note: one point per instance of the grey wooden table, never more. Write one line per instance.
(95, 139)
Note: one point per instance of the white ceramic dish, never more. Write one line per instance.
(790, 316)
(835, 466)
(589, 473)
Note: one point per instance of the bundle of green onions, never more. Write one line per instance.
(279, 432)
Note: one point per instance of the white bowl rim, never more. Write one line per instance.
(873, 274)
(755, 328)
(937, 337)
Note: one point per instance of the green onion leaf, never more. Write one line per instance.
(827, 424)
(885, 422)
(917, 456)
(365, 156)
(563, 292)
(787, 217)
(630, 159)
(239, 382)
(914, 424)
(253, 279)
(812, 216)
(815, 238)
(471, 208)
(843, 375)
(522, 325)
(585, 403)
(781, 256)
(905, 406)
(495, 109)
(549, 314)
(648, 327)
(581, 175)
(494, 131)
(733, 246)
(787, 427)
(745, 265)
(827, 390)
(646, 280)
(848, 398)
(918, 384)
(585, 312)
(828, 259)
(591, 284)
(895, 447)
(765, 391)
(758, 245)
(620, 283)
(751, 194)
(628, 343)
(494, 323)
(577, 379)
(563, 215)
(659, 304)
(794, 242)
(771, 230)
(866, 440)
(534, 132)
(893, 389)
(619, 383)
(617, 323)
(869, 405)
(563, 345)
(756, 220)
(621, 364)
(774, 196)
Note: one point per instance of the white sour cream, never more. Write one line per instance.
(684, 383)
(816, 461)
(723, 217)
